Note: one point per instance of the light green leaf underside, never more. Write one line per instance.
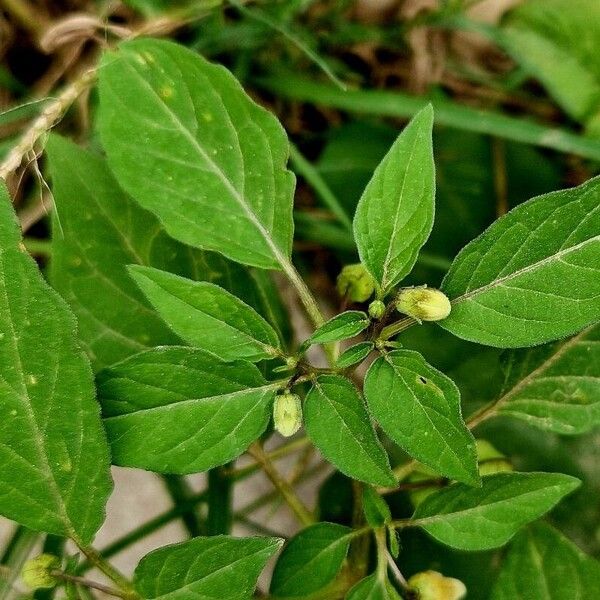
(206, 316)
(189, 145)
(354, 354)
(394, 216)
(337, 422)
(542, 564)
(418, 407)
(55, 465)
(487, 517)
(204, 568)
(99, 230)
(533, 276)
(556, 387)
(310, 560)
(182, 410)
(373, 588)
(341, 327)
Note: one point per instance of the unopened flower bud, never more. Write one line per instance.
(423, 304)
(287, 413)
(356, 283)
(432, 585)
(376, 309)
(37, 572)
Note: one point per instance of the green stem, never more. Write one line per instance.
(17, 551)
(220, 517)
(396, 328)
(180, 493)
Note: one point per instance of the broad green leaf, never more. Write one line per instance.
(555, 387)
(487, 517)
(418, 407)
(98, 230)
(310, 560)
(55, 462)
(182, 410)
(376, 510)
(373, 588)
(208, 317)
(341, 327)
(189, 145)
(337, 421)
(532, 276)
(354, 354)
(544, 565)
(205, 568)
(394, 216)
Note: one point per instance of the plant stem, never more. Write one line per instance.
(16, 553)
(90, 584)
(284, 488)
(397, 327)
(180, 493)
(220, 517)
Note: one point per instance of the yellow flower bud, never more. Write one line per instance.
(423, 303)
(287, 413)
(37, 572)
(355, 282)
(376, 309)
(432, 585)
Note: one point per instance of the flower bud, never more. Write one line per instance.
(376, 309)
(287, 413)
(423, 303)
(356, 283)
(37, 572)
(432, 585)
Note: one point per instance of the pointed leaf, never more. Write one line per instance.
(373, 588)
(341, 327)
(310, 560)
(207, 317)
(182, 410)
(213, 165)
(204, 568)
(353, 355)
(394, 216)
(544, 565)
(55, 463)
(418, 407)
(487, 517)
(338, 423)
(532, 276)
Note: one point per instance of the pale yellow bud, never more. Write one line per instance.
(287, 413)
(355, 282)
(37, 572)
(423, 303)
(432, 585)
(376, 309)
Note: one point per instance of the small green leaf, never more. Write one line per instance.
(182, 410)
(418, 407)
(353, 355)
(310, 560)
(338, 423)
(341, 327)
(533, 275)
(376, 510)
(373, 588)
(189, 145)
(55, 462)
(487, 517)
(204, 567)
(555, 387)
(394, 216)
(207, 317)
(544, 565)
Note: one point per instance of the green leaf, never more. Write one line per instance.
(487, 517)
(204, 568)
(341, 327)
(98, 230)
(338, 423)
(310, 560)
(544, 565)
(376, 510)
(373, 588)
(207, 317)
(55, 463)
(182, 410)
(394, 216)
(555, 387)
(353, 355)
(213, 165)
(418, 407)
(532, 276)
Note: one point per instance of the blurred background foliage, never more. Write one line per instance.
(516, 88)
